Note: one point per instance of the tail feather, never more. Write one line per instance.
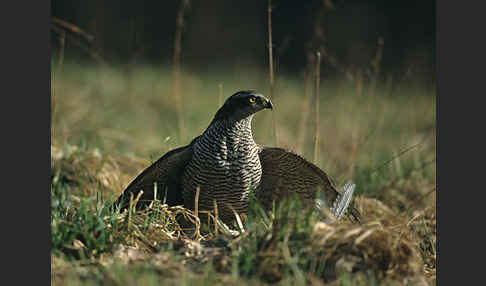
(342, 201)
(341, 205)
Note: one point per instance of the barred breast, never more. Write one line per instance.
(225, 166)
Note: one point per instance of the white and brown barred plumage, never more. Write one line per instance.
(226, 164)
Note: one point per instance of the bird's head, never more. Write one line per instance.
(243, 104)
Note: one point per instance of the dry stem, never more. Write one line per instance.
(215, 217)
(62, 44)
(196, 202)
(177, 66)
(220, 95)
(316, 131)
(72, 28)
(270, 59)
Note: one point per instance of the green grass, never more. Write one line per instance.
(92, 222)
(107, 125)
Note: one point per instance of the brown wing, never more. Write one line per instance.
(286, 173)
(166, 173)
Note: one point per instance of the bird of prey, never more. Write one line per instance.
(226, 164)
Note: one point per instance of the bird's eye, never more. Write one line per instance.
(252, 99)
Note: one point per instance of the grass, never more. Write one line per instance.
(108, 124)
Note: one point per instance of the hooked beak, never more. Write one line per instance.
(268, 104)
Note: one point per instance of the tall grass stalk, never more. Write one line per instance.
(220, 95)
(316, 110)
(177, 66)
(216, 217)
(375, 64)
(270, 61)
(83, 39)
(62, 44)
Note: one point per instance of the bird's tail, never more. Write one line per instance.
(342, 202)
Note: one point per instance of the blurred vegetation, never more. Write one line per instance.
(135, 113)
(232, 35)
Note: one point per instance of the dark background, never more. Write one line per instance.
(225, 34)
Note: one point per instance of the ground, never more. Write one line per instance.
(108, 124)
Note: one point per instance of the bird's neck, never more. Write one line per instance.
(239, 128)
(231, 132)
(242, 125)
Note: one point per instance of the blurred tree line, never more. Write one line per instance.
(357, 38)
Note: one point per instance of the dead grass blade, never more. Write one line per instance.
(220, 95)
(177, 66)
(72, 28)
(216, 217)
(316, 106)
(270, 62)
(238, 218)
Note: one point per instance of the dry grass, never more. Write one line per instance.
(103, 140)
(393, 245)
